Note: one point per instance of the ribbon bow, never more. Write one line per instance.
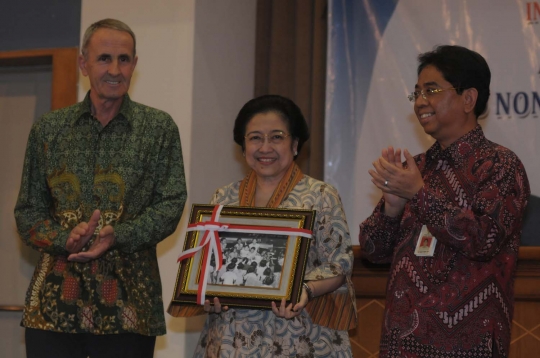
(211, 240)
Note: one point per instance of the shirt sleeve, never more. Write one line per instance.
(35, 224)
(334, 254)
(378, 235)
(163, 213)
(494, 215)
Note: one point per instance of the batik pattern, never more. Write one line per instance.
(132, 171)
(260, 333)
(459, 302)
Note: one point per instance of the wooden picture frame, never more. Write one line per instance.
(271, 252)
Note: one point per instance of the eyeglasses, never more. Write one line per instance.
(274, 137)
(427, 93)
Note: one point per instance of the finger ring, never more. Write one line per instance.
(386, 183)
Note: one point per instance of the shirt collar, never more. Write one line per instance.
(457, 151)
(125, 112)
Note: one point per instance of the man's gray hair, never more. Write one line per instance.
(112, 24)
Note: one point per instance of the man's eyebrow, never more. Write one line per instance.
(108, 55)
(428, 84)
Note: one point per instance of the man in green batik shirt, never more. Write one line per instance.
(103, 183)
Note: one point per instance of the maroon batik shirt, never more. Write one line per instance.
(458, 303)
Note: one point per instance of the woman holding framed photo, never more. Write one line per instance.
(271, 130)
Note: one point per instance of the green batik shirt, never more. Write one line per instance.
(132, 171)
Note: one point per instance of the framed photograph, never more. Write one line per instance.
(260, 264)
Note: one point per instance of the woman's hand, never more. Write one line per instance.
(216, 308)
(288, 311)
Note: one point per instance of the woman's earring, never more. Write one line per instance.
(295, 153)
(244, 154)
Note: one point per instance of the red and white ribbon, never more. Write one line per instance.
(211, 241)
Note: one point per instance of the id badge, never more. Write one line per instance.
(425, 245)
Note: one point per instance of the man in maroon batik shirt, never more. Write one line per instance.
(470, 195)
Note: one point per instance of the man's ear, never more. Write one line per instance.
(470, 95)
(82, 64)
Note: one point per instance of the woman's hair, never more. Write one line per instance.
(250, 269)
(282, 106)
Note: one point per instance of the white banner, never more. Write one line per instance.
(372, 61)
